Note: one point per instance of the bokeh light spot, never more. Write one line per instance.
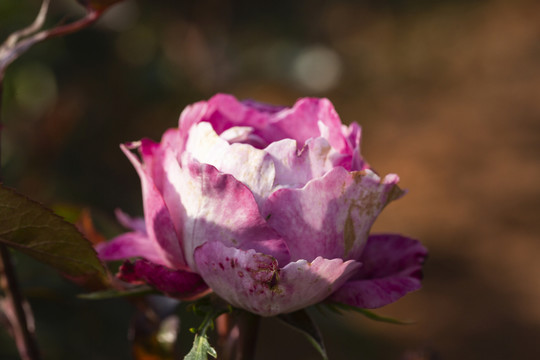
(317, 68)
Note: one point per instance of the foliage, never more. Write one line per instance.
(302, 322)
(339, 308)
(201, 347)
(114, 293)
(33, 229)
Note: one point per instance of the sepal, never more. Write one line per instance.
(301, 321)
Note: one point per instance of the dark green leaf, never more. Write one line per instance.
(301, 321)
(338, 308)
(33, 229)
(113, 293)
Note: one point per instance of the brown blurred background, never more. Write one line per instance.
(447, 93)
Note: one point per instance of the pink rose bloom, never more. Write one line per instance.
(268, 207)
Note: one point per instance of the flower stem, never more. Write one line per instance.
(238, 340)
(249, 326)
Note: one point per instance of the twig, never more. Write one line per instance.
(20, 41)
(27, 31)
(17, 310)
(11, 49)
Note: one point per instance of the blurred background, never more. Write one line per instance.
(448, 96)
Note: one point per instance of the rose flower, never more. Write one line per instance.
(268, 207)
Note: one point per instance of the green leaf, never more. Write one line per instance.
(201, 349)
(35, 230)
(113, 293)
(302, 322)
(339, 308)
(210, 309)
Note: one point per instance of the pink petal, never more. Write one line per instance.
(294, 168)
(132, 244)
(153, 157)
(217, 207)
(353, 135)
(159, 225)
(331, 216)
(227, 112)
(243, 135)
(172, 140)
(254, 281)
(190, 116)
(392, 267)
(263, 107)
(129, 245)
(128, 222)
(309, 118)
(253, 167)
(179, 284)
(223, 112)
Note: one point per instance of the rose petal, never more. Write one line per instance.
(223, 112)
(251, 166)
(217, 207)
(179, 284)
(191, 115)
(263, 107)
(159, 225)
(129, 245)
(153, 158)
(388, 254)
(330, 216)
(243, 135)
(254, 281)
(309, 118)
(128, 222)
(392, 267)
(171, 140)
(295, 168)
(353, 135)
(236, 134)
